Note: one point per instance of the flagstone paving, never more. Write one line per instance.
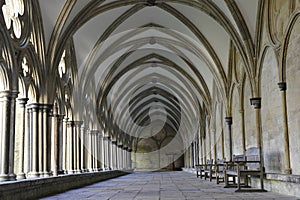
(162, 186)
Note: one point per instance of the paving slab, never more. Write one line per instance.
(162, 186)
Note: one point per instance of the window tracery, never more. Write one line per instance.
(25, 67)
(12, 10)
(62, 65)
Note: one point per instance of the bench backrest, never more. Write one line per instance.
(209, 162)
(252, 154)
(220, 162)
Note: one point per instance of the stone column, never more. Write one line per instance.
(77, 145)
(106, 152)
(201, 148)
(213, 132)
(204, 151)
(89, 151)
(243, 130)
(70, 147)
(129, 158)
(60, 143)
(95, 151)
(283, 88)
(46, 134)
(12, 116)
(228, 120)
(120, 146)
(6, 135)
(34, 150)
(64, 144)
(113, 154)
(82, 149)
(102, 152)
(27, 144)
(110, 155)
(125, 157)
(55, 133)
(256, 103)
(22, 102)
(40, 140)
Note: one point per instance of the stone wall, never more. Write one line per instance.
(37, 188)
(293, 96)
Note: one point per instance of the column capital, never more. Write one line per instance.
(45, 106)
(114, 142)
(228, 120)
(33, 106)
(23, 101)
(120, 146)
(256, 102)
(282, 86)
(78, 123)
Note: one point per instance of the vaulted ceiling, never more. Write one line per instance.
(145, 59)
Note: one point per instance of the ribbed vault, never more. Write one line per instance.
(147, 63)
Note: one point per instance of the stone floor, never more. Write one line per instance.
(160, 186)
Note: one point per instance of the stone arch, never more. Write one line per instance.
(284, 50)
(291, 73)
(271, 113)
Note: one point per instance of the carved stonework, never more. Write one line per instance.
(278, 14)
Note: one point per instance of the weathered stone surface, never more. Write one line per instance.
(162, 185)
(36, 188)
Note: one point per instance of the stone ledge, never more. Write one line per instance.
(41, 187)
(284, 177)
(281, 183)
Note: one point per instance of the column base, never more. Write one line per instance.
(288, 171)
(33, 175)
(46, 174)
(90, 170)
(4, 177)
(12, 177)
(21, 176)
(70, 172)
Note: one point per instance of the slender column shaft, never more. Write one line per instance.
(88, 159)
(70, 147)
(60, 144)
(40, 140)
(5, 139)
(82, 149)
(256, 102)
(243, 130)
(64, 145)
(95, 151)
(34, 141)
(12, 116)
(223, 144)
(228, 120)
(22, 102)
(55, 131)
(110, 155)
(283, 88)
(76, 135)
(102, 152)
(27, 142)
(46, 140)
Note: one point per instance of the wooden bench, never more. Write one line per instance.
(203, 170)
(209, 171)
(220, 167)
(242, 167)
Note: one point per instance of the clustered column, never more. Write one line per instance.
(38, 139)
(7, 110)
(49, 144)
